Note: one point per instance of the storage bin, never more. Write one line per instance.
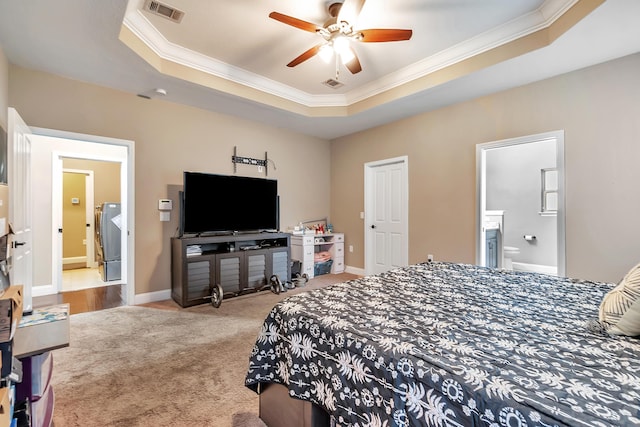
(322, 267)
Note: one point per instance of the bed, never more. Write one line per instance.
(444, 344)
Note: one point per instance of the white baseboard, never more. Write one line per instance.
(535, 268)
(42, 290)
(152, 297)
(74, 260)
(354, 270)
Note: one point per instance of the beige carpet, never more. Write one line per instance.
(145, 366)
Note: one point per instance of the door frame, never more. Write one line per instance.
(127, 191)
(369, 200)
(89, 215)
(481, 191)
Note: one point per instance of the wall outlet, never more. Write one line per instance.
(350, 248)
(84, 241)
(429, 257)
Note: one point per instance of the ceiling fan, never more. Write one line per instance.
(338, 32)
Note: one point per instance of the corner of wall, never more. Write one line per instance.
(4, 89)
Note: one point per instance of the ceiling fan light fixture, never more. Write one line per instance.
(341, 44)
(325, 53)
(338, 32)
(342, 47)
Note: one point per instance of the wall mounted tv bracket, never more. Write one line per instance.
(235, 159)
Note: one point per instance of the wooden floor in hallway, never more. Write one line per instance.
(84, 300)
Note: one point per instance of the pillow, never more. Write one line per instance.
(620, 307)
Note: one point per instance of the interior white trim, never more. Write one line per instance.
(152, 297)
(74, 260)
(527, 24)
(355, 270)
(139, 25)
(127, 180)
(541, 18)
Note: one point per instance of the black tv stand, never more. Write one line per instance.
(201, 263)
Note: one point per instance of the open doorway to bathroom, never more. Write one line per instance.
(520, 204)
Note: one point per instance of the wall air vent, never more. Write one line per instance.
(334, 84)
(163, 10)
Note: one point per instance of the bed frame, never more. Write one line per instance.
(278, 409)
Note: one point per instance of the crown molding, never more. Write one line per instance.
(517, 28)
(543, 17)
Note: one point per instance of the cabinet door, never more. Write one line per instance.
(280, 264)
(492, 249)
(229, 273)
(200, 276)
(256, 268)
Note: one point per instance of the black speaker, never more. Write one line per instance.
(277, 213)
(181, 221)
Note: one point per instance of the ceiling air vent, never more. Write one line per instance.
(163, 10)
(334, 84)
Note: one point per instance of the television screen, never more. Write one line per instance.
(221, 203)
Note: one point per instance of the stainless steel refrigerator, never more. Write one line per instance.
(108, 237)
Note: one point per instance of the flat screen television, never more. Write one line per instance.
(216, 204)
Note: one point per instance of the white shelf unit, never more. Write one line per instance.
(303, 249)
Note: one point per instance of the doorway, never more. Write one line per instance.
(87, 185)
(51, 148)
(520, 222)
(386, 193)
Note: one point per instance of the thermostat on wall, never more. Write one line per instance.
(165, 204)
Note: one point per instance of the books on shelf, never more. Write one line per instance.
(194, 250)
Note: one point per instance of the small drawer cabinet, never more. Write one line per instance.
(305, 247)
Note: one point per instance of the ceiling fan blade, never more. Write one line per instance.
(304, 56)
(294, 22)
(354, 64)
(384, 35)
(350, 11)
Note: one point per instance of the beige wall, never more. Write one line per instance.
(4, 88)
(106, 178)
(4, 102)
(597, 107)
(170, 138)
(74, 215)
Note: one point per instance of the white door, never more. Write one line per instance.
(20, 213)
(386, 215)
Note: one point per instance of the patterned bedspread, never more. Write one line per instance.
(442, 344)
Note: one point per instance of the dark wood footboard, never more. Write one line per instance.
(278, 409)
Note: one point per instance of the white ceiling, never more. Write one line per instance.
(236, 43)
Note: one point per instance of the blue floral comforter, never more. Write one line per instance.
(442, 344)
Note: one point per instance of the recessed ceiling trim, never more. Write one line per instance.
(520, 27)
(139, 25)
(370, 95)
(539, 39)
(208, 80)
